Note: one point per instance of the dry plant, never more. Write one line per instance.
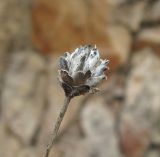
(79, 73)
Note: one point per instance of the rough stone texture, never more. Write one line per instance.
(138, 125)
(27, 152)
(148, 37)
(130, 14)
(77, 19)
(98, 125)
(152, 13)
(120, 43)
(14, 30)
(13, 24)
(8, 142)
(23, 94)
(153, 153)
(74, 23)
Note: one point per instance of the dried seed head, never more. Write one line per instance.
(81, 71)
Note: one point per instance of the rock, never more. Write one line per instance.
(3, 55)
(23, 94)
(119, 45)
(12, 23)
(12, 32)
(148, 37)
(152, 12)
(129, 14)
(141, 114)
(98, 125)
(153, 153)
(69, 24)
(73, 144)
(79, 148)
(63, 22)
(27, 152)
(10, 146)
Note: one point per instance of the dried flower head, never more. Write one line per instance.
(81, 71)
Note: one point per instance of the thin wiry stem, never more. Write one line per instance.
(57, 125)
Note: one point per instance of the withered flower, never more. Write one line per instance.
(81, 71)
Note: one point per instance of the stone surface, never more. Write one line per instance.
(27, 152)
(120, 44)
(70, 24)
(153, 153)
(62, 26)
(98, 125)
(152, 13)
(14, 30)
(12, 23)
(23, 94)
(148, 37)
(141, 114)
(129, 14)
(8, 142)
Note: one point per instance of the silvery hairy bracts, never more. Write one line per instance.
(81, 71)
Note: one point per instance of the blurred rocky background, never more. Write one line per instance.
(122, 120)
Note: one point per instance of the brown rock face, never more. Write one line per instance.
(62, 25)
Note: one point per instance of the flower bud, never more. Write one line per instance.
(81, 71)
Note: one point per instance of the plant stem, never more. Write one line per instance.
(57, 125)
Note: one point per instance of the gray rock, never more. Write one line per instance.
(9, 146)
(152, 12)
(99, 128)
(129, 14)
(23, 94)
(140, 116)
(15, 30)
(13, 24)
(27, 152)
(153, 153)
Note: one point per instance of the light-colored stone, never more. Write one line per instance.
(98, 125)
(151, 35)
(4, 41)
(15, 26)
(140, 116)
(14, 30)
(9, 145)
(152, 12)
(120, 42)
(27, 152)
(148, 37)
(129, 14)
(153, 153)
(23, 94)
